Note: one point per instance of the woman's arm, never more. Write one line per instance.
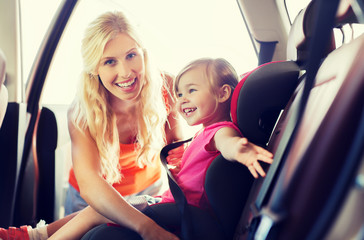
(173, 127)
(100, 195)
(236, 148)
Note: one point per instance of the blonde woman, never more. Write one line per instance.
(119, 121)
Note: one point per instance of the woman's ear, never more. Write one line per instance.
(224, 93)
(95, 72)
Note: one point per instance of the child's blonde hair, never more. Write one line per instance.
(218, 72)
(92, 111)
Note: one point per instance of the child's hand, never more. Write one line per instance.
(249, 154)
(174, 158)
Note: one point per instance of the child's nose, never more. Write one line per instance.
(184, 99)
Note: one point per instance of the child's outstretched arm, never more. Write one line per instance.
(233, 147)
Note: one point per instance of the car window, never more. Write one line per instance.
(176, 32)
(34, 23)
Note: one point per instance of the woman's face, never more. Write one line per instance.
(121, 68)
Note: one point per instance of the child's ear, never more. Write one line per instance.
(224, 93)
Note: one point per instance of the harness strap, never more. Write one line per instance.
(177, 192)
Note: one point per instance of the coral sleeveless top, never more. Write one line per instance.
(134, 179)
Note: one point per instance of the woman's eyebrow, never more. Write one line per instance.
(132, 49)
(105, 58)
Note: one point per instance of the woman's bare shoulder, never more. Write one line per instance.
(70, 112)
(74, 131)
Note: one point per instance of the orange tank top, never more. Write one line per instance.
(134, 179)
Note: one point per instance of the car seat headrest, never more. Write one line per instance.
(260, 96)
(301, 33)
(345, 14)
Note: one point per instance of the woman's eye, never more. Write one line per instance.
(179, 95)
(130, 55)
(109, 62)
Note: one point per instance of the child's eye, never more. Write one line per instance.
(130, 55)
(192, 90)
(179, 95)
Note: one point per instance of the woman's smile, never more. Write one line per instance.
(127, 84)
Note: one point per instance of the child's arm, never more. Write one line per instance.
(233, 147)
(84, 221)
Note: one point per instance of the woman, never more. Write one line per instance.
(122, 116)
(118, 122)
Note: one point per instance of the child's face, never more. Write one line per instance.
(121, 68)
(195, 102)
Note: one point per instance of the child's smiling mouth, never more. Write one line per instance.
(188, 111)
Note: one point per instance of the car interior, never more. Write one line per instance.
(271, 211)
(3, 90)
(303, 102)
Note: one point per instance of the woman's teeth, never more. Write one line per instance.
(126, 84)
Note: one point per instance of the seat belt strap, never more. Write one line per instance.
(177, 192)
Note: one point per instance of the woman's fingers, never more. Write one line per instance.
(172, 160)
(177, 151)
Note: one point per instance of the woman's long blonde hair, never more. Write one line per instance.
(92, 111)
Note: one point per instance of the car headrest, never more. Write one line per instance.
(301, 33)
(3, 90)
(345, 14)
(260, 96)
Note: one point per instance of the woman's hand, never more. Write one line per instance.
(174, 159)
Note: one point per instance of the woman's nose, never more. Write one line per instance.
(124, 71)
